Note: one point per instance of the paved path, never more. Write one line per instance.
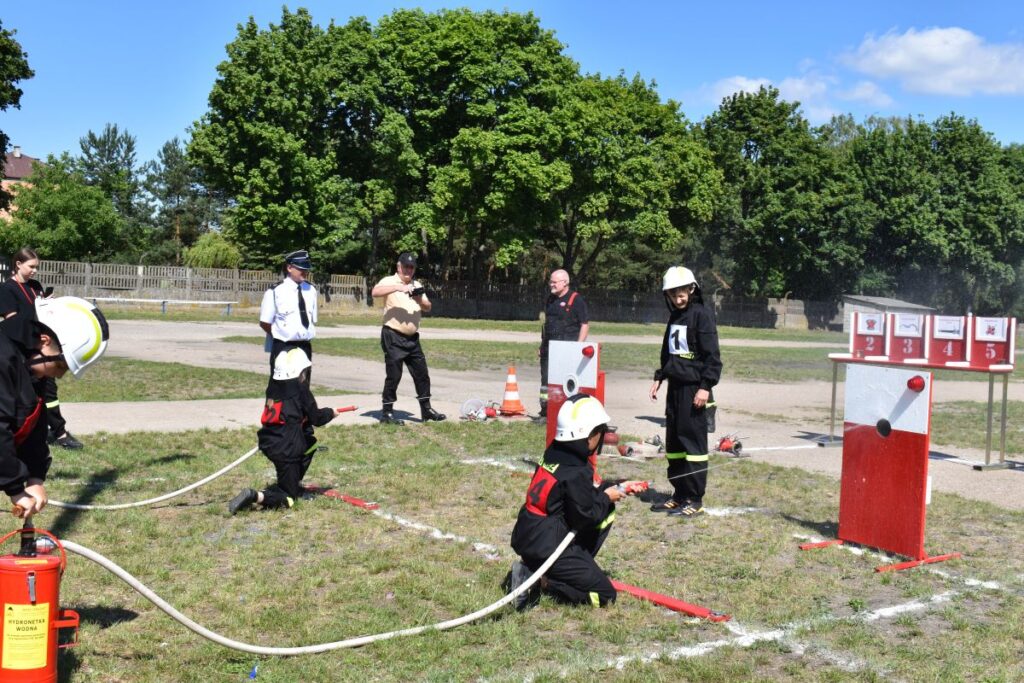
(764, 415)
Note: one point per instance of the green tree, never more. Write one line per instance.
(13, 68)
(62, 216)
(792, 219)
(947, 222)
(212, 250)
(108, 161)
(265, 141)
(979, 216)
(185, 209)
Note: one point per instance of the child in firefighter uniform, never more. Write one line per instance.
(691, 362)
(67, 333)
(286, 438)
(561, 498)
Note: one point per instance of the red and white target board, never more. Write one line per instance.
(885, 458)
(885, 486)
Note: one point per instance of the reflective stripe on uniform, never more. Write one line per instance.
(595, 599)
(290, 500)
(687, 456)
(311, 449)
(688, 355)
(544, 393)
(52, 404)
(607, 522)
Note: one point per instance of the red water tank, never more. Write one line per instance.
(30, 598)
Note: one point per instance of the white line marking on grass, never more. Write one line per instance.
(912, 606)
(726, 512)
(744, 637)
(489, 551)
(496, 463)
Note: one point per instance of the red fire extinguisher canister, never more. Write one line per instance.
(30, 599)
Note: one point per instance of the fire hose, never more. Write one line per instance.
(112, 567)
(158, 499)
(173, 494)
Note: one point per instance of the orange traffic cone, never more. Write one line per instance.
(510, 404)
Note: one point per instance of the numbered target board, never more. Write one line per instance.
(964, 342)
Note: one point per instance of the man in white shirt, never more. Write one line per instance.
(288, 313)
(405, 301)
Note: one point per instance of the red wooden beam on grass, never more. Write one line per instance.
(351, 500)
(673, 604)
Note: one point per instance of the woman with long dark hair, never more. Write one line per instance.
(18, 296)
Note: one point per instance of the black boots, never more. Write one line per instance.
(429, 414)
(244, 499)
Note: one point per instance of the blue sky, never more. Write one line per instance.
(149, 66)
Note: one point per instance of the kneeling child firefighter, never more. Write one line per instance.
(286, 437)
(562, 498)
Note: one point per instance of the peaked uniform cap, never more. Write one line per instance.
(299, 259)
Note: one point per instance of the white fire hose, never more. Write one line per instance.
(112, 567)
(158, 499)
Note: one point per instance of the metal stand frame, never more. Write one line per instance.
(1001, 464)
(832, 441)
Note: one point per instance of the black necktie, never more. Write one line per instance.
(302, 310)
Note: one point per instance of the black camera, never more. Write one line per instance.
(418, 291)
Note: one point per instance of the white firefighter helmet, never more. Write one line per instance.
(290, 364)
(678, 276)
(80, 328)
(578, 416)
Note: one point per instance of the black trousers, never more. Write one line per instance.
(575, 578)
(277, 346)
(399, 349)
(54, 419)
(544, 376)
(686, 438)
(289, 478)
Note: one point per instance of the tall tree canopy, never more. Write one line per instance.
(63, 216)
(13, 68)
(789, 218)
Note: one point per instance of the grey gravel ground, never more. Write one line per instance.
(784, 418)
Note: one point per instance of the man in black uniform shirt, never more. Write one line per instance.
(565, 319)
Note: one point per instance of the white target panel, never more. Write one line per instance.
(573, 362)
(881, 393)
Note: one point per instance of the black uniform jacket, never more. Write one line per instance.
(564, 316)
(289, 415)
(23, 449)
(702, 364)
(561, 498)
(16, 297)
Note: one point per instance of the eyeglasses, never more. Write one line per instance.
(556, 282)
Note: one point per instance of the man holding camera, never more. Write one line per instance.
(405, 301)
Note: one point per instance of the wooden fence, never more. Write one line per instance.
(196, 284)
(452, 299)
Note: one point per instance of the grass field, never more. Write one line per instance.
(326, 571)
(122, 379)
